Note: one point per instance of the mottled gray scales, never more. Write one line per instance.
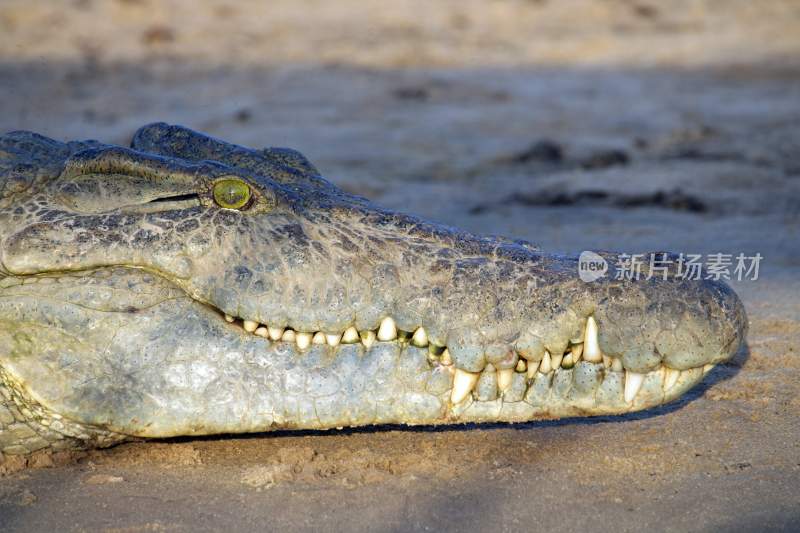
(135, 302)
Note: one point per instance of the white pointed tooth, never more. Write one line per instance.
(420, 338)
(670, 377)
(522, 365)
(577, 351)
(555, 360)
(333, 338)
(591, 346)
(229, 318)
(446, 359)
(289, 335)
(616, 364)
(262, 332)
(463, 383)
(568, 361)
(504, 378)
(545, 365)
(275, 333)
(633, 382)
(387, 330)
(367, 338)
(350, 336)
(707, 369)
(607, 361)
(319, 338)
(303, 340)
(250, 326)
(533, 367)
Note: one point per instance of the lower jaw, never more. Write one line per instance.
(554, 387)
(426, 388)
(242, 383)
(587, 389)
(395, 384)
(387, 384)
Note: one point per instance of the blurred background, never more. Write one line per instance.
(634, 125)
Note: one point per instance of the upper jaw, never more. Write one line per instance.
(486, 301)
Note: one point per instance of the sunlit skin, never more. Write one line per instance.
(187, 286)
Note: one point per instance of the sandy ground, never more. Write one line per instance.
(575, 124)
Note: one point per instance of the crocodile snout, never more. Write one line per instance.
(678, 323)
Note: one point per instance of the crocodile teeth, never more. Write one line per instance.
(350, 336)
(504, 378)
(387, 330)
(545, 366)
(303, 340)
(633, 382)
(446, 359)
(577, 351)
(367, 338)
(435, 350)
(591, 346)
(670, 378)
(463, 383)
(420, 338)
(707, 368)
(275, 333)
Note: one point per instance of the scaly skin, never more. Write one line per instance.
(118, 268)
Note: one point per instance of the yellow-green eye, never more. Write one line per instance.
(232, 193)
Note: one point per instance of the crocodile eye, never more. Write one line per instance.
(232, 193)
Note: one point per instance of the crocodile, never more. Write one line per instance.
(188, 286)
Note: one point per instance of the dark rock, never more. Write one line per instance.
(543, 151)
(604, 159)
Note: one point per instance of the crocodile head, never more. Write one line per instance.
(188, 286)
